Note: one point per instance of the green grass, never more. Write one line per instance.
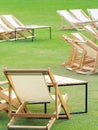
(44, 53)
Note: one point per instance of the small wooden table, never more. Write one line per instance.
(65, 81)
(32, 27)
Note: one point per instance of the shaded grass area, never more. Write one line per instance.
(44, 53)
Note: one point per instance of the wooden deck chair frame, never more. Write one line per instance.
(4, 96)
(76, 58)
(6, 35)
(3, 102)
(17, 76)
(93, 14)
(66, 16)
(92, 52)
(72, 54)
(93, 31)
(3, 35)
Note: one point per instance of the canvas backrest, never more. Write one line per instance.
(30, 87)
(80, 15)
(12, 20)
(67, 16)
(4, 25)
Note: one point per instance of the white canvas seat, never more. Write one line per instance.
(31, 87)
(5, 26)
(93, 13)
(82, 16)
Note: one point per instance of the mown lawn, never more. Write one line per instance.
(44, 53)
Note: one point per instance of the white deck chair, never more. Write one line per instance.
(70, 19)
(9, 30)
(13, 23)
(92, 51)
(93, 13)
(20, 28)
(31, 87)
(78, 56)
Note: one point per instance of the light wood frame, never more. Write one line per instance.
(22, 111)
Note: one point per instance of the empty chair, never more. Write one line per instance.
(20, 28)
(77, 57)
(70, 19)
(14, 23)
(9, 31)
(30, 86)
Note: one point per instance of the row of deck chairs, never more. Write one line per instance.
(8, 26)
(83, 56)
(77, 18)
